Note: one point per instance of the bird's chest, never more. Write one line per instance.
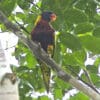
(44, 38)
(44, 35)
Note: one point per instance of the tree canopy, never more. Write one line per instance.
(78, 25)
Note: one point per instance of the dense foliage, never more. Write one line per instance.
(78, 24)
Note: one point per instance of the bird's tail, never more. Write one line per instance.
(46, 72)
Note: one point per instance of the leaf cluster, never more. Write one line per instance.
(78, 22)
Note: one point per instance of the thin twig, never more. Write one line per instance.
(92, 86)
(22, 27)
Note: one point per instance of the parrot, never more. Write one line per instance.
(44, 34)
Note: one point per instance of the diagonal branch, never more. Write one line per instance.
(41, 55)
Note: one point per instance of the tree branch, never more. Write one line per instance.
(41, 55)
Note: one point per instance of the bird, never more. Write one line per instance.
(44, 34)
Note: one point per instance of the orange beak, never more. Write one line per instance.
(53, 17)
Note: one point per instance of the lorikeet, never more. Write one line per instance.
(43, 33)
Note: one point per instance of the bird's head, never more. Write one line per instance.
(48, 16)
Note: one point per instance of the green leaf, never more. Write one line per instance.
(81, 4)
(20, 15)
(76, 58)
(97, 61)
(58, 94)
(96, 32)
(25, 97)
(43, 98)
(75, 16)
(92, 69)
(2, 27)
(71, 41)
(80, 56)
(79, 96)
(91, 43)
(7, 6)
(24, 4)
(31, 76)
(69, 59)
(87, 6)
(59, 84)
(57, 54)
(74, 61)
(95, 79)
(83, 28)
(31, 61)
(23, 90)
(97, 17)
